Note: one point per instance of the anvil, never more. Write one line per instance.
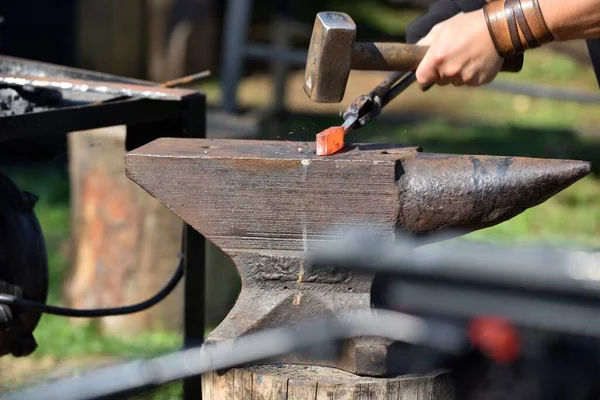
(266, 203)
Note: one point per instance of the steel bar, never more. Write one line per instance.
(535, 286)
(194, 292)
(20, 66)
(235, 29)
(186, 80)
(87, 86)
(312, 337)
(69, 119)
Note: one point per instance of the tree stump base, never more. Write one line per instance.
(300, 382)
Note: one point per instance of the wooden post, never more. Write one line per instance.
(112, 37)
(125, 243)
(183, 37)
(300, 382)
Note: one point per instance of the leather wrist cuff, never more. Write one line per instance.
(516, 26)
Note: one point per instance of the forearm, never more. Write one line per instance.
(518, 25)
(572, 19)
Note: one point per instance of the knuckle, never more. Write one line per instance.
(469, 76)
(450, 72)
(439, 57)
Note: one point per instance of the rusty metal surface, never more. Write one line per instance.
(443, 191)
(50, 109)
(87, 86)
(266, 203)
(21, 66)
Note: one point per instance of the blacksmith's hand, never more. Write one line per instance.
(461, 52)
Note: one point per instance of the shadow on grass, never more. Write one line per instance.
(442, 136)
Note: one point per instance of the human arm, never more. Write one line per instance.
(462, 50)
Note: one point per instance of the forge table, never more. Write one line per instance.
(181, 114)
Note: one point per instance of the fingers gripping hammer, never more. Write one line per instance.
(333, 52)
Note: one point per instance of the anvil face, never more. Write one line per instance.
(266, 203)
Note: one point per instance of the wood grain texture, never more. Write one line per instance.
(253, 195)
(295, 382)
(265, 203)
(125, 243)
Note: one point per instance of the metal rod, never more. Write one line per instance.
(85, 86)
(140, 375)
(186, 80)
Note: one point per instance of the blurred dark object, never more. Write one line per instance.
(183, 37)
(437, 12)
(1, 25)
(531, 313)
(491, 356)
(23, 268)
(238, 47)
(40, 30)
(322, 337)
(594, 49)
(111, 36)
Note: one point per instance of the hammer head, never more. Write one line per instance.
(329, 57)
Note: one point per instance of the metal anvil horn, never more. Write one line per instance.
(265, 203)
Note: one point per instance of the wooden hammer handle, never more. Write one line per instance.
(404, 57)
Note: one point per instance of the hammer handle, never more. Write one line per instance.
(404, 57)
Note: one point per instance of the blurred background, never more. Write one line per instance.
(255, 51)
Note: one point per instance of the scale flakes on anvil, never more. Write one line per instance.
(265, 203)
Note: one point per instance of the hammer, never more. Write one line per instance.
(333, 52)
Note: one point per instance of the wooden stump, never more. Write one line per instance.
(125, 243)
(299, 382)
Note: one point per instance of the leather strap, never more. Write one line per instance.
(530, 40)
(513, 29)
(534, 16)
(498, 27)
(516, 26)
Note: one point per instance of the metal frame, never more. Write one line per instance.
(236, 49)
(146, 120)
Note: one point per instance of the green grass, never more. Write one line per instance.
(58, 339)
